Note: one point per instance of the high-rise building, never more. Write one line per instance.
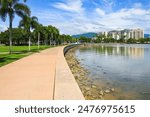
(115, 34)
(103, 33)
(137, 33)
(125, 34)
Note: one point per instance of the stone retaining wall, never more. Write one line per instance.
(66, 48)
(66, 87)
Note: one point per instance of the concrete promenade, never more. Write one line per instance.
(39, 77)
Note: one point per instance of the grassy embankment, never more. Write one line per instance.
(17, 53)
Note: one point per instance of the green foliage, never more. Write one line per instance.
(4, 37)
(11, 8)
(17, 36)
(28, 23)
(84, 39)
(141, 40)
(130, 41)
(122, 40)
(104, 39)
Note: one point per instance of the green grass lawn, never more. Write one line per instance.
(17, 53)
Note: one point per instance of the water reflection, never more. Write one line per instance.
(125, 67)
(130, 52)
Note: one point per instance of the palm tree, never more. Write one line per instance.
(53, 33)
(56, 34)
(38, 31)
(50, 30)
(11, 8)
(28, 23)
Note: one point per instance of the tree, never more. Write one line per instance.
(28, 23)
(18, 37)
(11, 8)
(141, 40)
(38, 31)
(131, 41)
(99, 38)
(50, 31)
(84, 39)
(17, 34)
(46, 34)
(53, 34)
(4, 37)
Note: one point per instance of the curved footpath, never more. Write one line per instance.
(41, 76)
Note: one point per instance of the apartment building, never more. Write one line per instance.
(125, 34)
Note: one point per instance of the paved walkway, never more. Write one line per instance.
(41, 76)
(30, 78)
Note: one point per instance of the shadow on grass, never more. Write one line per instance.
(4, 59)
(24, 51)
(8, 58)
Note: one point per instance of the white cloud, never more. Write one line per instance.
(139, 11)
(108, 4)
(98, 20)
(127, 18)
(70, 5)
(137, 5)
(100, 11)
(3, 28)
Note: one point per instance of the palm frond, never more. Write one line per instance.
(22, 7)
(20, 14)
(13, 2)
(34, 24)
(11, 13)
(21, 24)
(34, 18)
(3, 14)
(24, 0)
(4, 4)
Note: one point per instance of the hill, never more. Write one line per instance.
(87, 35)
(146, 35)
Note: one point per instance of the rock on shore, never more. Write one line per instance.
(88, 88)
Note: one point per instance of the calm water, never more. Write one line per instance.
(123, 67)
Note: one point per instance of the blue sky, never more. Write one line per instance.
(80, 16)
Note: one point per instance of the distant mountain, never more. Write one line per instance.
(88, 35)
(146, 35)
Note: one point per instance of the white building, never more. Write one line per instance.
(127, 34)
(103, 33)
(137, 33)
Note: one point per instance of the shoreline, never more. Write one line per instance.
(88, 87)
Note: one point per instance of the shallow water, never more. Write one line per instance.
(124, 67)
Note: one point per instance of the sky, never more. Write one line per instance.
(81, 16)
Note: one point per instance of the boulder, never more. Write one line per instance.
(112, 89)
(101, 93)
(107, 91)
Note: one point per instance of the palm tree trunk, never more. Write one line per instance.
(29, 43)
(10, 35)
(50, 42)
(38, 40)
